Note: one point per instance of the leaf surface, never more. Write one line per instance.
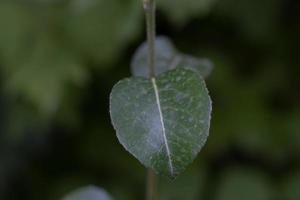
(167, 58)
(162, 121)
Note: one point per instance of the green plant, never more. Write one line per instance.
(162, 113)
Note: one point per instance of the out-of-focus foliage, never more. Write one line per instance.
(187, 186)
(244, 184)
(291, 186)
(60, 58)
(181, 11)
(100, 29)
(41, 77)
(256, 19)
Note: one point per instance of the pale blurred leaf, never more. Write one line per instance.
(88, 193)
(167, 58)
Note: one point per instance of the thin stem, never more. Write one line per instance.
(151, 185)
(150, 7)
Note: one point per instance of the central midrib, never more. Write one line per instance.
(162, 124)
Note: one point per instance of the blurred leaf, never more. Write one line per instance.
(293, 129)
(88, 193)
(16, 22)
(124, 191)
(23, 122)
(189, 186)
(237, 184)
(291, 187)
(257, 18)
(163, 122)
(260, 129)
(43, 77)
(100, 29)
(181, 11)
(167, 58)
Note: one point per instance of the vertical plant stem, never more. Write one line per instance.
(150, 7)
(151, 185)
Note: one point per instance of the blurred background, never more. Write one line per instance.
(60, 58)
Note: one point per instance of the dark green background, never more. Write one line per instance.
(60, 58)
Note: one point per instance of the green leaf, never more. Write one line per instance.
(291, 186)
(101, 29)
(88, 193)
(246, 14)
(167, 58)
(189, 186)
(43, 77)
(16, 23)
(246, 184)
(181, 11)
(164, 121)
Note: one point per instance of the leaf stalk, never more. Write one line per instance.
(151, 185)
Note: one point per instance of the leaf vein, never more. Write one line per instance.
(162, 124)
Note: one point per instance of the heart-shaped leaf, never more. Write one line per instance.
(88, 193)
(167, 58)
(162, 121)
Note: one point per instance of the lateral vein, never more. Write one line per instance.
(162, 124)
